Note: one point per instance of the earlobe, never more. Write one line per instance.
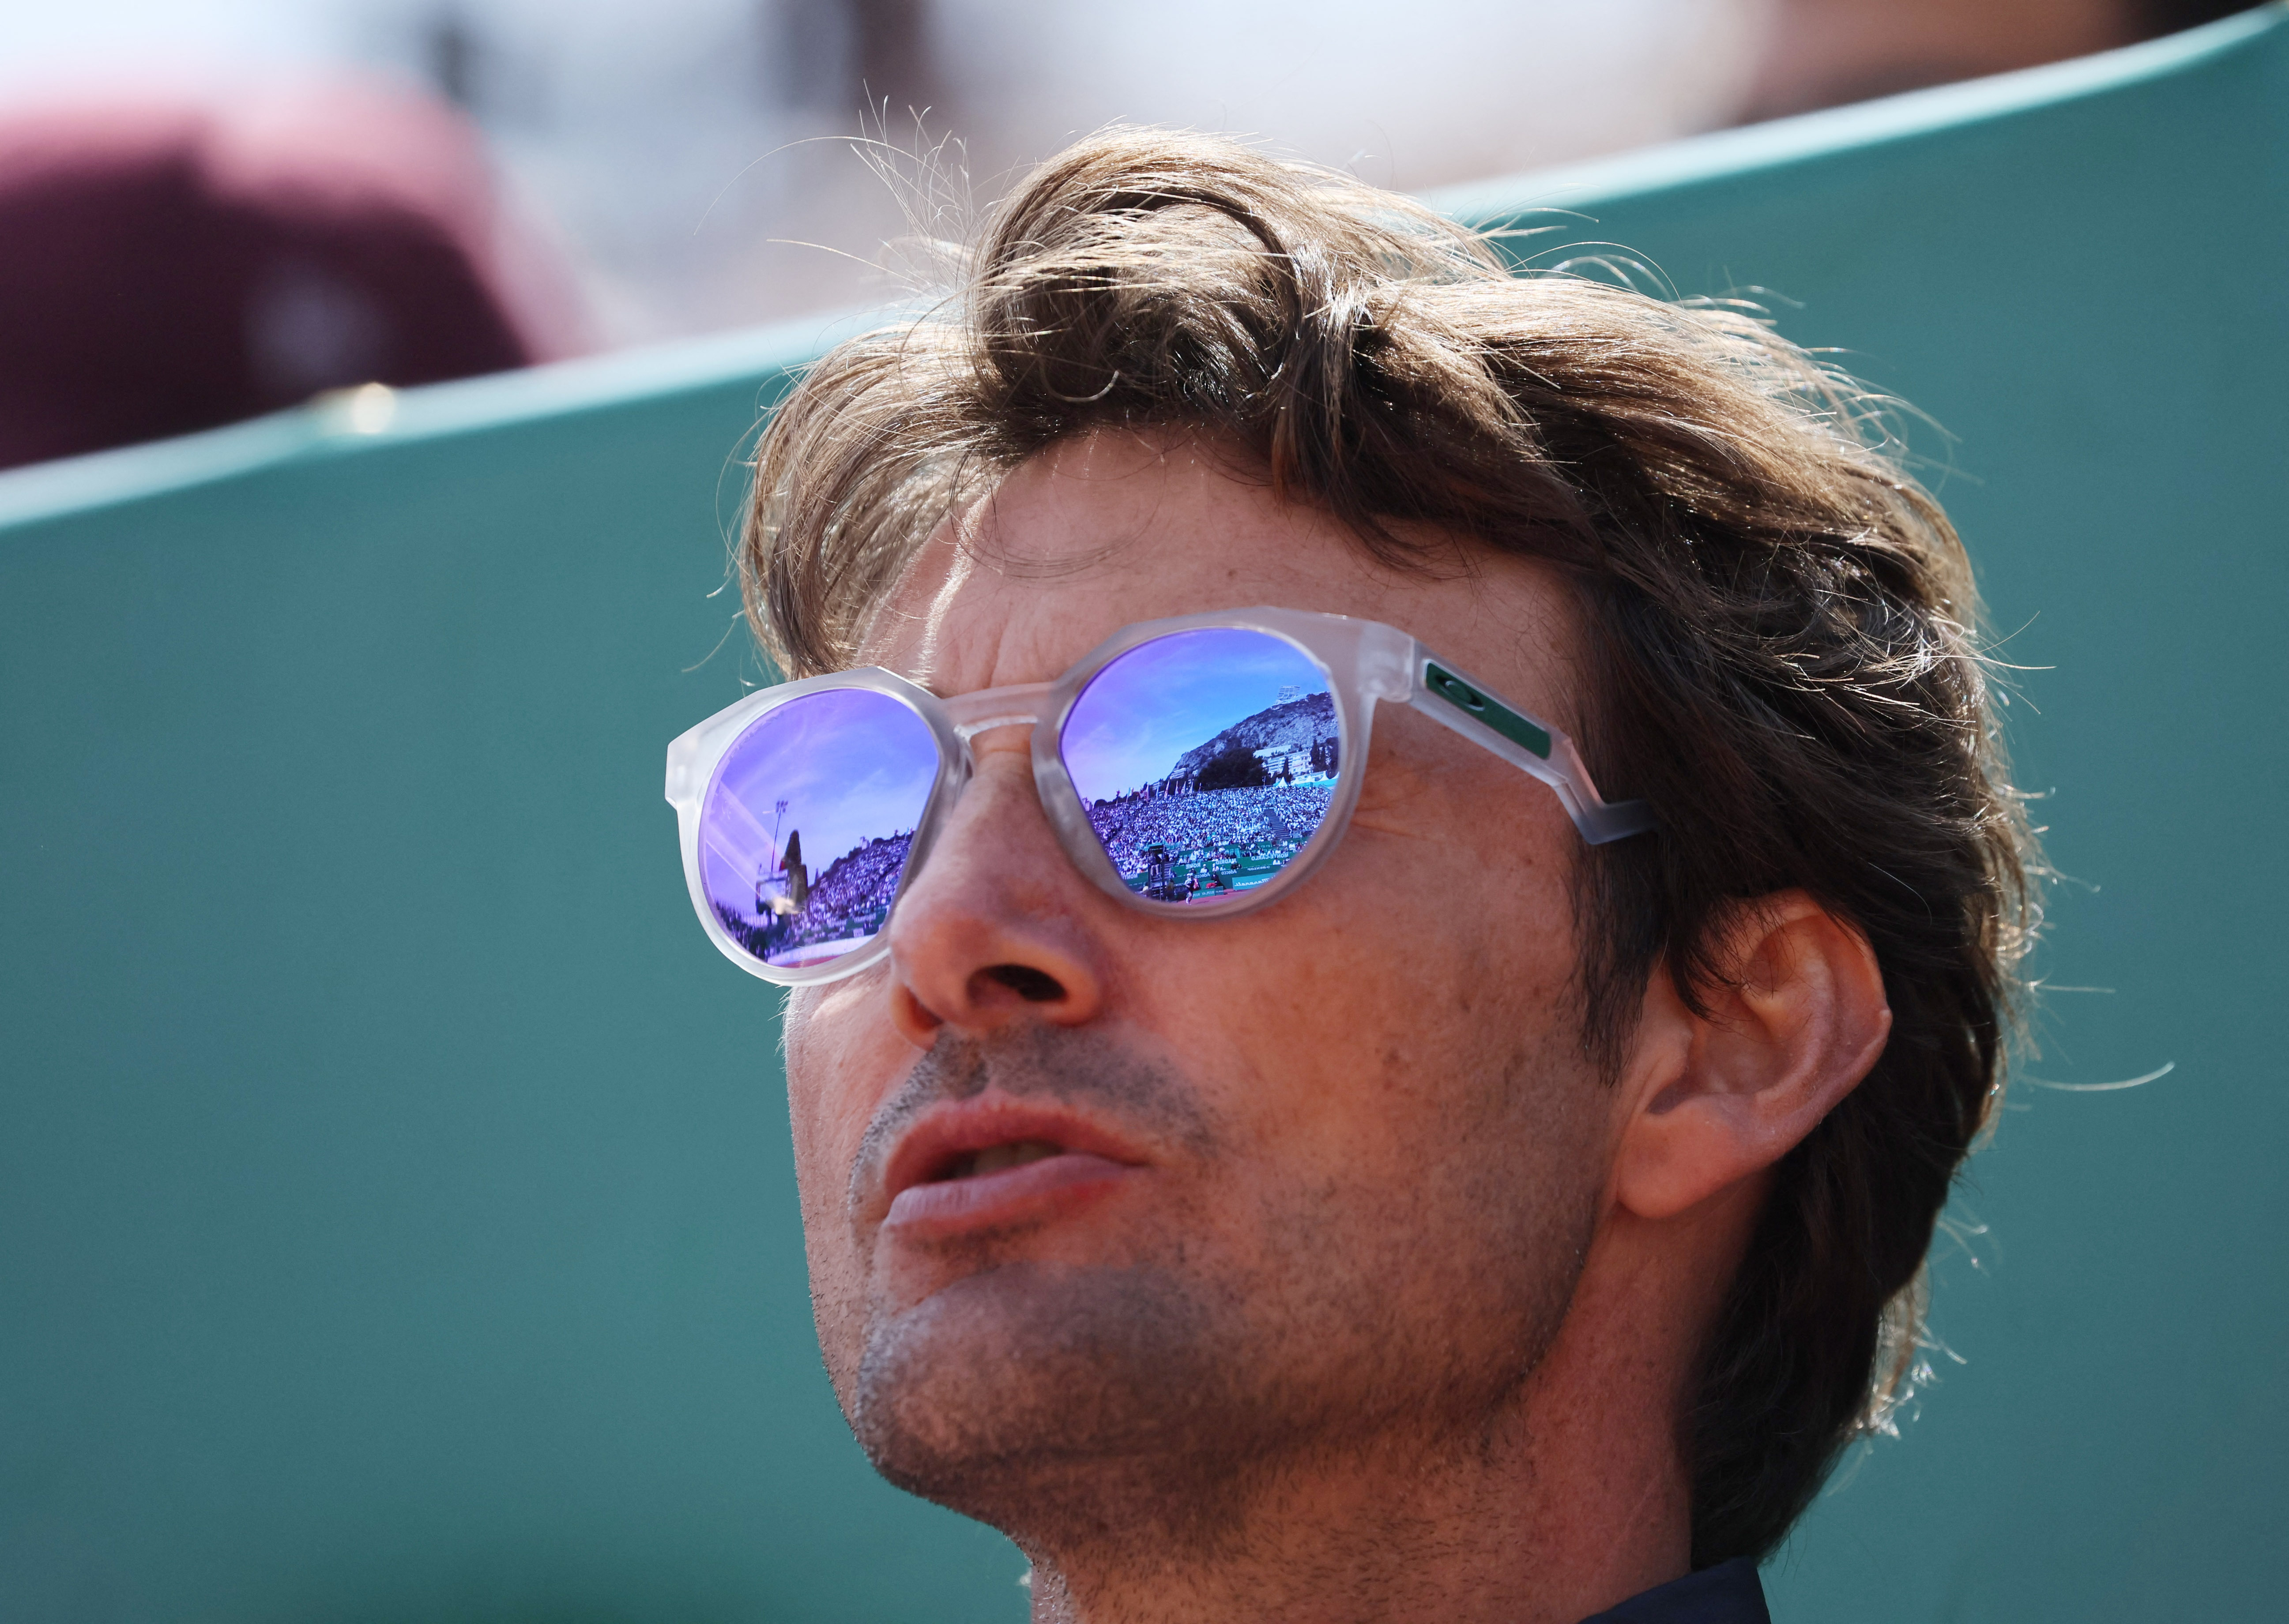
(1714, 1098)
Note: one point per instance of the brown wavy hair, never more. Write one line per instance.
(1780, 620)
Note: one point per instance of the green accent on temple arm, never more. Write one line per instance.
(1484, 708)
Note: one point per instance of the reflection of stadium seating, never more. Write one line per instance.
(850, 899)
(1284, 815)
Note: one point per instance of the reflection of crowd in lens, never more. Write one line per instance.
(847, 903)
(1206, 835)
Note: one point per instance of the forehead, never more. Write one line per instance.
(1094, 535)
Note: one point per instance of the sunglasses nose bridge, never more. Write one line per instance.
(966, 731)
(1019, 705)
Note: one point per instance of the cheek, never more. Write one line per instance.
(1416, 996)
(841, 1057)
(1412, 950)
(1410, 1130)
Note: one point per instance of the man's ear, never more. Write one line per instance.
(1797, 1019)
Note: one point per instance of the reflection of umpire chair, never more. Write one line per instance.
(798, 882)
(1158, 868)
(798, 878)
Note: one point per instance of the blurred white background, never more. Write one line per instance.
(683, 153)
(691, 162)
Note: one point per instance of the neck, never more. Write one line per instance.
(1575, 1496)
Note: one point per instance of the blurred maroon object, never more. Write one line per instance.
(169, 264)
(1822, 53)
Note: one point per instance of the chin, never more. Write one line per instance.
(1031, 1391)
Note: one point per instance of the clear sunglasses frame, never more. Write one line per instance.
(1364, 662)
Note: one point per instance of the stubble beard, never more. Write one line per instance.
(1149, 1401)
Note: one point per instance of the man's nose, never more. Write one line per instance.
(997, 926)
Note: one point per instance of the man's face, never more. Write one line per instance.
(1333, 1164)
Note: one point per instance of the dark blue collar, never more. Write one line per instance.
(1727, 1594)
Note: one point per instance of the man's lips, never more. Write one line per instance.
(990, 1162)
(1027, 1194)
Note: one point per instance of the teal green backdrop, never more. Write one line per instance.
(395, 1214)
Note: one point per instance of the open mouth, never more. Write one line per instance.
(1014, 1181)
(996, 1159)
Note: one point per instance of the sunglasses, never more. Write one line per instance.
(1199, 766)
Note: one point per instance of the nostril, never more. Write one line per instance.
(1034, 986)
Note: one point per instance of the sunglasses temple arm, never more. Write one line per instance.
(1456, 701)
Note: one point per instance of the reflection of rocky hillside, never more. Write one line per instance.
(1297, 725)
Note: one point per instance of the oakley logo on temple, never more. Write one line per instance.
(1511, 725)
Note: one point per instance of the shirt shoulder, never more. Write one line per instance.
(1730, 1593)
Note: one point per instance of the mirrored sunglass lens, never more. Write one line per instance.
(1206, 761)
(804, 833)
